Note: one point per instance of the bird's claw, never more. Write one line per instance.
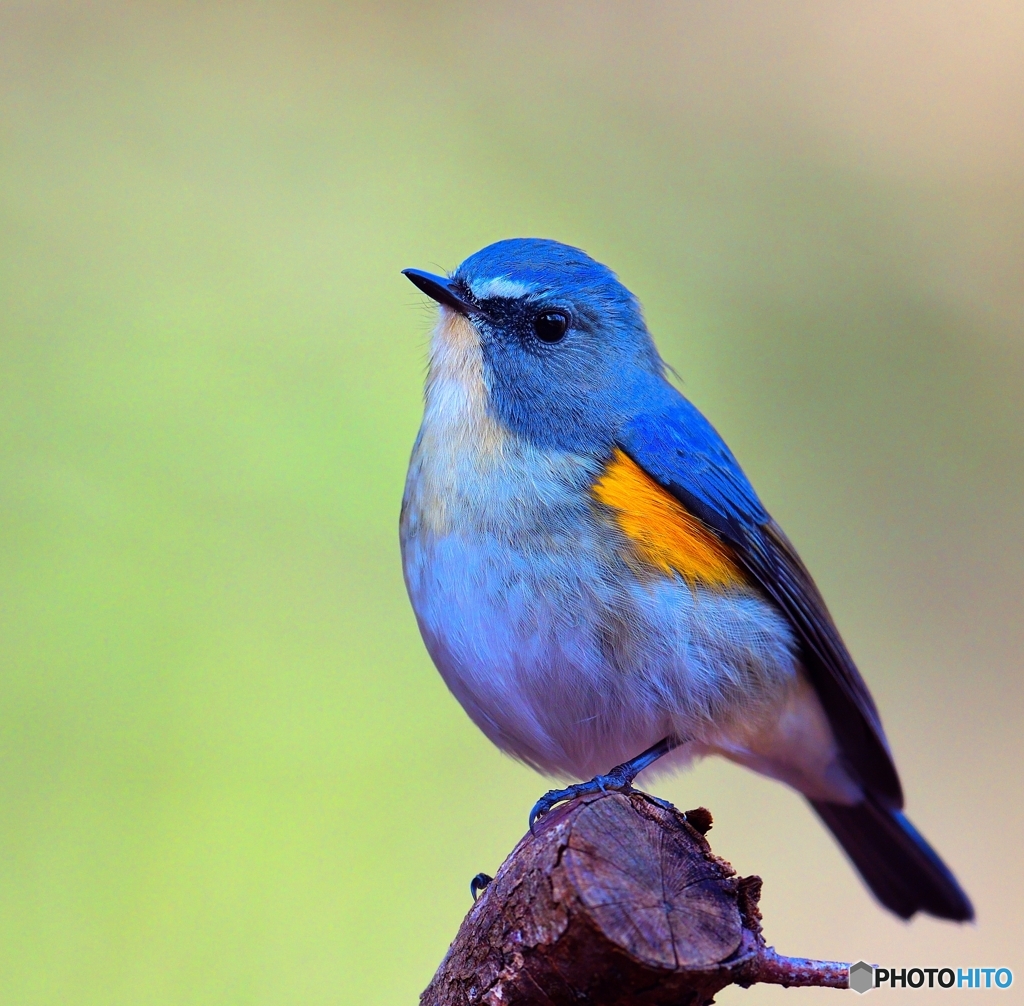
(478, 883)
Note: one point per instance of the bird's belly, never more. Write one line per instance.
(572, 662)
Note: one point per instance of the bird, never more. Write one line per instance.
(598, 582)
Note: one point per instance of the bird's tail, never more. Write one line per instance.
(899, 866)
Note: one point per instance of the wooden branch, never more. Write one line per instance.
(617, 901)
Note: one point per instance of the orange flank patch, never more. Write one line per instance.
(663, 532)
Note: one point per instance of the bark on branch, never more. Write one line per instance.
(617, 901)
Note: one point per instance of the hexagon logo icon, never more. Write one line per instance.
(862, 976)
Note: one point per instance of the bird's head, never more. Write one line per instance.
(558, 344)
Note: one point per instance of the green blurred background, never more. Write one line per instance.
(228, 771)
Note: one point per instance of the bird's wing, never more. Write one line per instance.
(680, 450)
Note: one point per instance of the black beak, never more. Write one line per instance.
(442, 290)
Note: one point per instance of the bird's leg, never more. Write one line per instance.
(619, 778)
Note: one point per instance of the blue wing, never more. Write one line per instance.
(681, 451)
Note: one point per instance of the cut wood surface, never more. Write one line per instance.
(616, 900)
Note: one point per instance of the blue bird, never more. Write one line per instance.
(599, 584)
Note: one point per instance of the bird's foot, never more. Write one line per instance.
(620, 779)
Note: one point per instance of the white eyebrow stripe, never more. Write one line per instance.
(500, 286)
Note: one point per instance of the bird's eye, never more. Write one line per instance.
(551, 326)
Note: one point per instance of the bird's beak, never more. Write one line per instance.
(441, 290)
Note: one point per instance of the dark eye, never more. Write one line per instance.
(551, 326)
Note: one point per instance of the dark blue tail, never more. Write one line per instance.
(901, 868)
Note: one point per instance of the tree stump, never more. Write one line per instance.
(616, 900)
